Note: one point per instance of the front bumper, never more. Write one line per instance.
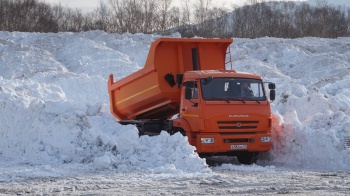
(232, 142)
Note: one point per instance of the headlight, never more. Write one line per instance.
(207, 140)
(265, 139)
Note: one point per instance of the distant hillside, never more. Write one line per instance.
(202, 18)
(274, 19)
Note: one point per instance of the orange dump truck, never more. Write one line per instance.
(184, 87)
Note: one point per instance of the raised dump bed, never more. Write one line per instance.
(151, 92)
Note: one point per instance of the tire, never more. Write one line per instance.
(248, 158)
(177, 129)
(140, 129)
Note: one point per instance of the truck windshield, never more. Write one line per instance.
(232, 89)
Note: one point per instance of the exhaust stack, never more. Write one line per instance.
(195, 59)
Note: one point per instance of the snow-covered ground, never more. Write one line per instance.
(57, 135)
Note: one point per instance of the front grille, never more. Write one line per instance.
(236, 127)
(347, 142)
(238, 124)
(235, 140)
(235, 122)
(237, 133)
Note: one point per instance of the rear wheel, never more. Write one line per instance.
(248, 158)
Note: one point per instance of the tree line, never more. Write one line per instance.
(202, 18)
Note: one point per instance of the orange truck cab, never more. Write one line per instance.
(184, 87)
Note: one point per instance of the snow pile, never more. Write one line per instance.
(312, 98)
(54, 104)
(248, 168)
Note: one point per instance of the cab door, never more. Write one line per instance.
(189, 107)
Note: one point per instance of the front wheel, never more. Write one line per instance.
(248, 158)
(177, 129)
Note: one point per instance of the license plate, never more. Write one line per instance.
(243, 146)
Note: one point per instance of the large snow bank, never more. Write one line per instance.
(313, 97)
(54, 103)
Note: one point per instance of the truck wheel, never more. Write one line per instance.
(177, 129)
(140, 129)
(248, 158)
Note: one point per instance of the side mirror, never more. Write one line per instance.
(179, 78)
(272, 86)
(188, 93)
(272, 94)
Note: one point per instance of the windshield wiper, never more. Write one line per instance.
(237, 99)
(228, 99)
(251, 99)
(220, 98)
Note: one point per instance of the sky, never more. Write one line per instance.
(89, 5)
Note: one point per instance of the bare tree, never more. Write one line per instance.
(348, 21)
(202, 10)
(3, 14)
(258, 18)
(174, 17)
(149, 15)
(102, 20)
(128, 15)
(27, 15)
(164, 7)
